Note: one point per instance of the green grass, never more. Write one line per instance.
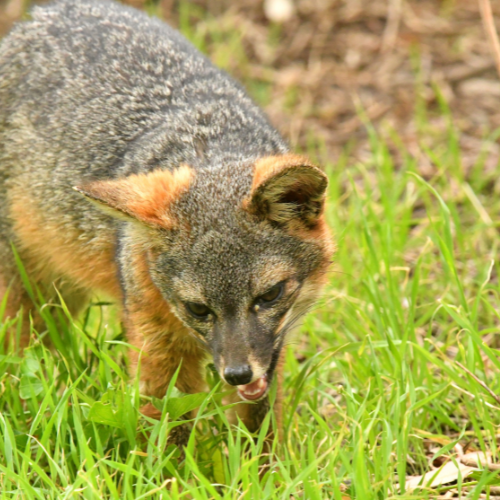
(377, 381)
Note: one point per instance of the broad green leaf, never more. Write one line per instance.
(176, 407)
(30, 386)
(104, 414)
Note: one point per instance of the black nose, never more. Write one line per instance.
(238, 375)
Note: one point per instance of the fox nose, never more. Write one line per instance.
(239, 375)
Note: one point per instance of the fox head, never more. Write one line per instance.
(239, 252)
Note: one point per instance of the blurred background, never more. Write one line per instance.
(322, 67)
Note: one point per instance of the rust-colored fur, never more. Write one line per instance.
(146, 197)
(51, 251)
(163, 339)
(269, 166)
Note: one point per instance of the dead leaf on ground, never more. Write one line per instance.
(447, 474)
(480, 459)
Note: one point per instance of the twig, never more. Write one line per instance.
(480, 382)
(489, 24)
(390, 34)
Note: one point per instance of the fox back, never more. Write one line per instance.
(129, 164)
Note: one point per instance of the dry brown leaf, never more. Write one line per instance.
(447, 474)
(442, 440)
(479, 86)
(480, 459)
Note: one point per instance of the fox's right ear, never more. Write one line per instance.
(143, 197)
(287, 189)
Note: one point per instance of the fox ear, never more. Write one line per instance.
(143, 197)
(288, 189)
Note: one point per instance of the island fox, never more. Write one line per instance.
(131, 166)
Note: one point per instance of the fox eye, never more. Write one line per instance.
(200, 311)
(272, 295)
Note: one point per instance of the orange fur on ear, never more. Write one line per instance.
(287, 188)
(145, 197)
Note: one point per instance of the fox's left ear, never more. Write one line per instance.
(286, 189)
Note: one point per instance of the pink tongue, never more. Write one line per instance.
(254, 390)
